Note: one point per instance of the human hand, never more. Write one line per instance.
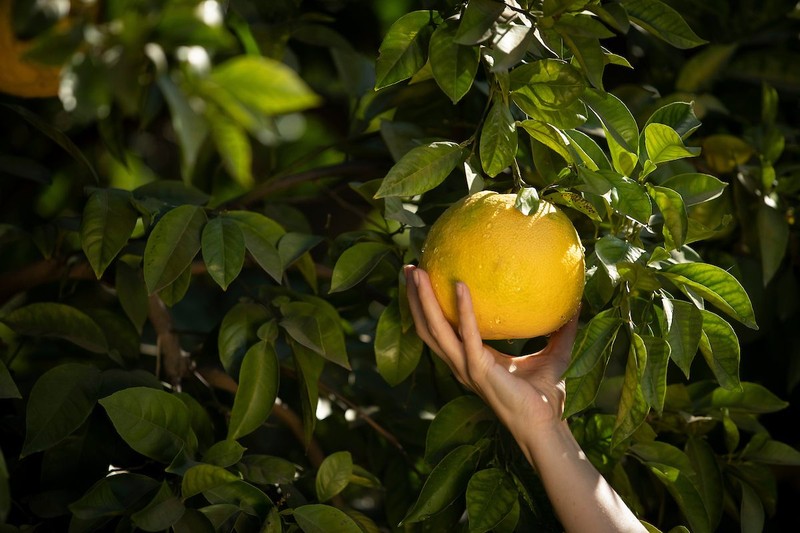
(526, 392)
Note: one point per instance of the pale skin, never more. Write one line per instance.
(527, 394)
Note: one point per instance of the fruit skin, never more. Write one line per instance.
(18, 76)
(525, 272)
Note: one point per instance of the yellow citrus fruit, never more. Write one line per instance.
(17, 75)
(525, 272)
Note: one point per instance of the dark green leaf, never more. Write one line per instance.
(453, 65)
(446, 482)
(397, 352)
(315, 330)
(684, 329)
(616, 118)
(708, 477)
(770, 452)
(717, 286)
(60, 401)
(588, 52)
(238, 332)
(402, 52)
(107, 223)
(654, 380)
(593, 342)
(589, 151)
(695, 188)
(611, 250)
(720, 348)
(293, 245)
(171, 192)
(662, 21)
(132, 292)
(163, 511)
(333, 475)
(477, 20)
(581, 391)
(318, 518)
(267, 470)
(201, 478)
(309, 365)
(676, 224)
(49, 319)
(356, 263)
(261, 237)
(773, 238)
(225, 453)
(422, 169)
(258, 388)
(549, 136)
(223, 250)
(8, 389)
(498, 144)
(491, 495)
(114, 495)
(190, 127)
(633, 406)
(175, 291)
(751, 510)
(751, 398)
(461, 421)
(152, 422)
(172, 245)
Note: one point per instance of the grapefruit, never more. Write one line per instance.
(525, 272)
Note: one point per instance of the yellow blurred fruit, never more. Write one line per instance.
(19, 76)
(525, 272)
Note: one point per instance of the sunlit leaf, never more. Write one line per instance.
(664, 144)
(453, 65)
(258, 388)
(233, 146)
(684, 329)
(677, 115)
(663, 21)
(612, 250)
(720, 348)
(403, 50)
(498, 143)
(422, 169)
(476, 21)
(549, 83)
(676, 224)
(201, 478)
(695, 188)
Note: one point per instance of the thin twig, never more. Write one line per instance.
(173, 360)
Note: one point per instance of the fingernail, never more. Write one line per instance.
(460, 289)
(415, 277)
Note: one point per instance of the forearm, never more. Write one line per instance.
(581, 497)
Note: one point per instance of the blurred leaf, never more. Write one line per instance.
(662, 21)
(315, 330)
(773, 239)
(703, 68)
(152, 422)
(751, 511)
(717, 286)
(723, 152)
(404, 47)
(190, 127)
(8, 389)
(55, 320)
(453, 65)
(770, 452)
(498, 142)
(114, 495)
(224, 453)
(237, 332)
(477, 20)
(720, 348)
(233, 146)
(333, 475)
(172, 192)
(172, 245)
(397, 352)
(491, 495)
(633, 406)
(223, 248)
(356, 263)
(318, 518)
(461, 421)
(309, 365)
(446, 482)
(258, 388)
(107, 223)
(59, 402)
(547, 83)
(163, 511)
(708, 477)
(421, 169)
(684, 329)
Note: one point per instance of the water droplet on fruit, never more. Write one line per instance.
(436, 250)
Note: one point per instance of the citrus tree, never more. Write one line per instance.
(203, 323)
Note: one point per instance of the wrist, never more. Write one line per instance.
(537, 441)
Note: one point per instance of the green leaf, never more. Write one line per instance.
(702, 69)
(527, 200)
(684, 329)
(49, 319)
(511, 42)
(356, 263)
(581, 391)
(498, 143)
(574, 200)
(172, 245)
(175, 291)
(309, 365)
(616, 118)
(773, 239)
(491, 495)
(593, 342)
(751, 511)
(8, 389)
(664, 144)
(333, 475)
(171, 192)
(708, 477)
(319, 518)
(547, 83)
(258, 388)
(263, 84)
(654, 380)
(549, 136)
(717, 286)
(477, 20)
(132, 292)
(633, 406)
(771, 452)
(233, 146)
(588, 52)
(250, 499)
(152, 422)
(611, 250)
(223, 250)
(677, 115)
(224, 453)
(446, 482)
(59, 402)
(267, 470)
(421, 169)
(662, 21)
(190, 127)
(114, 496)
(453, 65)
(397, 352)
(163, 511)
(676, 221)
(107, 223)
(628, 197)
(315, 330)
(751, 398)
(201, 478)
(460, 421)
(695, 188)
(261, 237)
(238, 332)
(402, 52)
(568, 117)
(293, 245)
(589, 151)
(720, 348)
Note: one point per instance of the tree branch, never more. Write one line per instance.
(171, 357)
